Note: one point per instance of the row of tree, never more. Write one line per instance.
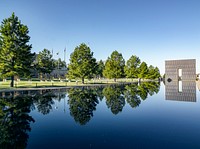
(16, 59)
(83, 65)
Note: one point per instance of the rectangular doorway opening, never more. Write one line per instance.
(179, 74)
(180, 86)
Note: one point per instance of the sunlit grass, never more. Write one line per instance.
(62, 83)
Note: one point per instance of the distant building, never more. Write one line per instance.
(176, 70)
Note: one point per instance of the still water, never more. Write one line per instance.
(146, 115)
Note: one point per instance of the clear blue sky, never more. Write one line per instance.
(154, 30)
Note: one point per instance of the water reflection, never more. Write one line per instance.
(82, 103)
(198, 84)
(180, 91)
(15, 121)
(114, 98)
(16, 106)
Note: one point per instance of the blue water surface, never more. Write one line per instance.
(130, 116)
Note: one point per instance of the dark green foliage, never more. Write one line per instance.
(82, 64)
(143, 71)
(153, 73)
(15, 121)
(44, 102)
(16, 57)
(114, 98)
(82, 103)
(131, 68)
(100, 68)
(114, 66)
(44, 62)
(59, 63)
(131, 95)
(146, 88)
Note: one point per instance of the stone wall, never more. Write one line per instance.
(188, 69)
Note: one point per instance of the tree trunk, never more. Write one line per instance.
(114, 79)
(12, 81)
(82, 80)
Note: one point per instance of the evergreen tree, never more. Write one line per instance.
(131, 68)
(153, 72)
(16, 57)
(114, 66)
(100, 69)
(157, 73)
(44, 64)
(82, 64)
(143, 70)
(59, 63)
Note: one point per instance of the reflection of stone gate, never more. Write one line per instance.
(187, 92)
(180, 70)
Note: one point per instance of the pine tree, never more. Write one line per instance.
(16, 57)
(100, 69)
(45, 63)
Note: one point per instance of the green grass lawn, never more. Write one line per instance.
(57, 83)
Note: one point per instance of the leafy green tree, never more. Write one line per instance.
(131, 68)
(114, 66)
(59, 63)
(143, 70)
(82, 63)
(16, 57)
(44, 63)
(153, 73)
(157, 73)
(100, 68)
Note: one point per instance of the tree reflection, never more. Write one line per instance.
(15, 121)
(114, 98)
(44, 101)
(131, 95)
(146, 88)
(134, 92)
(82, 103)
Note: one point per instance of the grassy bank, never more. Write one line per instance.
(58, 83)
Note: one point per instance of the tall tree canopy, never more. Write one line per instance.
(100, 68)
(16, 57)
(143, 70)
(131, 68)
(114, 66)
(153, 72)
(45, 63)
(59, 63)
(82, 63)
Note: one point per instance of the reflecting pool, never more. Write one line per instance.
(146, 115)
